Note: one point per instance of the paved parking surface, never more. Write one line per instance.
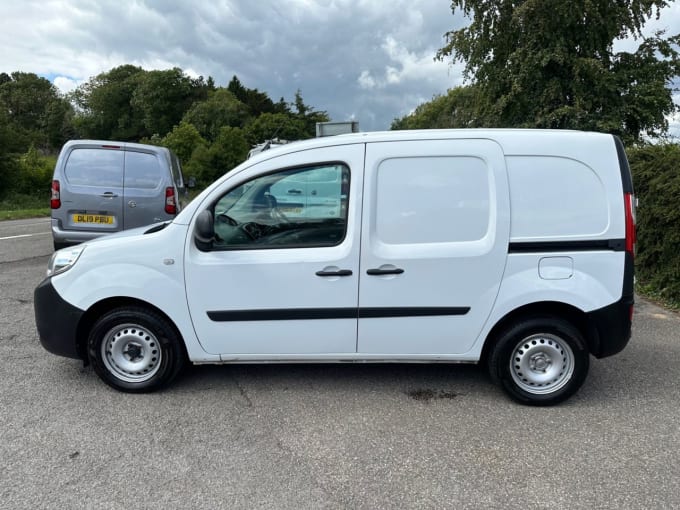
(328, 436)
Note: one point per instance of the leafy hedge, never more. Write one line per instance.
(656, 177)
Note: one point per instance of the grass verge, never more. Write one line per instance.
(650, 293)
(17, 207)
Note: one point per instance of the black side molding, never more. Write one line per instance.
(289, 314)
(551, 246)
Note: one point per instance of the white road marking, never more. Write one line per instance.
(24, 235)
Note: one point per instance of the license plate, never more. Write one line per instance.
(95, 219)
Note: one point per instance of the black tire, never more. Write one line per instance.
(540, 361)
(135, 350)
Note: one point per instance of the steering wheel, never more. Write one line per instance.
(251, 230)
(225, 218)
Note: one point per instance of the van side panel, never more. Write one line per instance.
(568, 232)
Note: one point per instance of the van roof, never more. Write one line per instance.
(113, 144)
(514, 141)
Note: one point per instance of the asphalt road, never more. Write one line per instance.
(327, 436)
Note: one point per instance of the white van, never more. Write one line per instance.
(509, 247)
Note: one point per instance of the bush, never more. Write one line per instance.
(35, 173)
(656, 176)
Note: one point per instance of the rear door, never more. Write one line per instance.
(435, 232)
(146, 178)
(92, 192)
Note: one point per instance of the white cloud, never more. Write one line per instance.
(65, 84)
(366, 58)
(366, 81)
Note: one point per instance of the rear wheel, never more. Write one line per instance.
(540, 361)
(135, 350)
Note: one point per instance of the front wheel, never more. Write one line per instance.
(135, 350)
(540, 361)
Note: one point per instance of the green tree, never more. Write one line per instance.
(220, 109)
(38, 113)
(308, 115)
(275, 125)
(228, 150)
(163, 97)
(551, 64)
(104, 105)
(458, 108)
(256, 101)
(183, 141)
(8, 143)
(128, 103)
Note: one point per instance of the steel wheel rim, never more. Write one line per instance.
(542, 363)
(131, 353)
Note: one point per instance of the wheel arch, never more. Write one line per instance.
(99, 308)
(574, 315)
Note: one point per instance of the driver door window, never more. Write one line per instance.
(300, 207)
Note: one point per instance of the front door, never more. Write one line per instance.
(281, 275)
(435, 233)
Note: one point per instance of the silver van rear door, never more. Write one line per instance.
(144, 191)
(93, 195)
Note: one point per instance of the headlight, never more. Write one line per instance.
(63, 260)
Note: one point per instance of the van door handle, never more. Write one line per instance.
(339, 272)
(295, 192)
(108, 194)
(379, 272)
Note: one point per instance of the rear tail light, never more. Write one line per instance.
(55, 197)
(629, 203)
(170, 200)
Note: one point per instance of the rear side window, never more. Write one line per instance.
(95, 167)
(142, 170)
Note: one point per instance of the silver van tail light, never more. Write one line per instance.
(55, 197)
(170, 200)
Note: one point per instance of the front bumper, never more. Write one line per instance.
(57, 321)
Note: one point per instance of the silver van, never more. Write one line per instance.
(101, 187)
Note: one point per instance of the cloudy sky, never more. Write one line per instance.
(367, 60)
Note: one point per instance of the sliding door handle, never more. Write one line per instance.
(379, 272)
(339, 272)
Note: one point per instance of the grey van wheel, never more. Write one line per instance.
(135, 350)
(540, 361)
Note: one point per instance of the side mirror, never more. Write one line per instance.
(204, 230)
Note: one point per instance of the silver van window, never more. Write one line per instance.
(95, 167)
(142, 170)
